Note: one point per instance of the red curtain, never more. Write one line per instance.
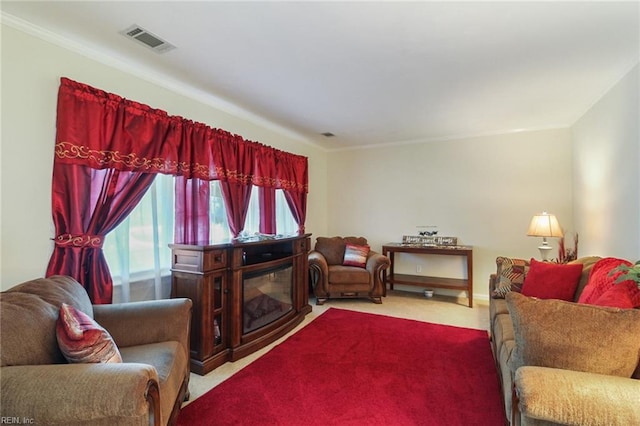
(293, 174)
(191, 211)
(267, 202)
(99, 130)
(87, 204)
(297, 202)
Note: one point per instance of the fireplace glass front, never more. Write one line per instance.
(267, 296)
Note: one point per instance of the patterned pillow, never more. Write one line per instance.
(82, 340)
(511, 274)
(355, 255)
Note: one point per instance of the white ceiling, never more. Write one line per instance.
(369, 72)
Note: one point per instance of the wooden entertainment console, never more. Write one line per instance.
(245, 295)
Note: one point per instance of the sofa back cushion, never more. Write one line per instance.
(28, 314)
(571, 336)
(333, 248)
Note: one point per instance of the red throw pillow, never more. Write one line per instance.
(82, 340)
(601, 279)
(552, 280)
(625, 295)
(355, 255)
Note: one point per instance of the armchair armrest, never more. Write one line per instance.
(138, 323)
(376, 263)
(575, 397)
(317, 260)
(319, 270)
(73, 394)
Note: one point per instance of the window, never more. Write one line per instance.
(138, 249)
(285, 222)
(219, 230)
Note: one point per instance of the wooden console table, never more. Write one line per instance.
(392, 278)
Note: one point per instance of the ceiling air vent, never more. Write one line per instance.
(147, 38)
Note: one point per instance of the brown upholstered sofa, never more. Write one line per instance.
(39, 386)
(540, 395)
(332, 279)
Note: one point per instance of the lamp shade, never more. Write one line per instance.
(544, 225)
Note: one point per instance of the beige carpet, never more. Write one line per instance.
(401, 304)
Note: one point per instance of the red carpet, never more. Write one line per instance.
(350, 368)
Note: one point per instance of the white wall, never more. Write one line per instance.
(606, 180)
(31, 71)
(482, 190)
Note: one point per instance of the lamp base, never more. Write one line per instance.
(544, 252)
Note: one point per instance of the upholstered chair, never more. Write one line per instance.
(346, 268)
(45, 381)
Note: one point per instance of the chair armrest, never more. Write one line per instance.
(319, 271)
(317, 260)
(65, 394)
(575, 397)
(376, 262)
(154, 321)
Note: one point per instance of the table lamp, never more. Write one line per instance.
(544, 225)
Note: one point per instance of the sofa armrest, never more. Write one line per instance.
(139, 323)
(575, 397)
(493, 281)
(73, 394)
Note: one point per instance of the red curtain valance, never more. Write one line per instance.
(101, 130)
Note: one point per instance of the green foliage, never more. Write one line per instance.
(629, 273)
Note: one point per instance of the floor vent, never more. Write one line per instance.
(147, 38)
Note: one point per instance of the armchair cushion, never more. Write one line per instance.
(33, 306)
(81, 339)
(333, 248)
(339, 274)
(355, 255)
(571, 336)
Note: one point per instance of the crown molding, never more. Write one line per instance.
(452, 138)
